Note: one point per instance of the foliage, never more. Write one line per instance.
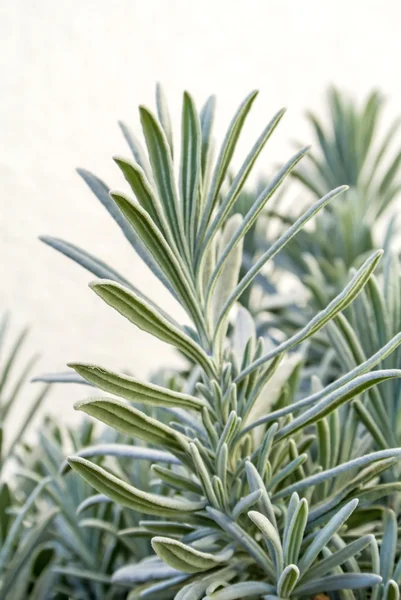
(274, 465)
(262, 484)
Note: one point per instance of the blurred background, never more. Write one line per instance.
(69, 70)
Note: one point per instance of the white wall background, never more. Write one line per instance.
(69, 69)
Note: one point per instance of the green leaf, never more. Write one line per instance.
(168, 260)
(186, 559)
(273, 250)
(149, 569)
(242, 538)
(190, 169)
(80, 573)
(294, 532)
(391, 591)
(101, 191)
(287, 582)
(195, 590)
(271, 536)
(163, 114)
(126, 451)
(127, 419)
(239, 181)
(134, 390)
(140, 186)
(324, 536)
(145, 317)
(163, 172)
(245, 503)
(251, 216)
(246, 589)
(137, 149)
(336, 399)
(206, 120)
(25, 553)
(388, 547)
(367, 365)
(355, 463)
(345, 581)
(331, 562)
(127, 495)
(224, 159)
(86, 260)
(16, 528)
(228, 277)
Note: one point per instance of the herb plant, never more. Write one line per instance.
(263, 491)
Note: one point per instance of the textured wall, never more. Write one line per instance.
(70, 68)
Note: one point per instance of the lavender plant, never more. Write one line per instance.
(261, 493)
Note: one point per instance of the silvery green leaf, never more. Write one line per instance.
(143, 192)
(101, 191)
(92, 501)
(163, 173)
(190, 168)
(376, 492)
(127, 495)
(163, 114)
(206, 121)
(17, 562)
(203, 474)
(338, 304)
(273, 250)
(370, 423)
(287, 471)
(270, 535)
(245, 503)
(325, 566)
(336, 399)
(255, 482)
(15, 530)
(357, 486)
(162, 589)
(149, 569)
(134, 390)
(391, 591)
(83, 574)
(23, 425)
(239, 181)
(355, 463)
(294, 532)
(129, 451)
(64, 377)
(86, 260)
(165, 528)
(243, 538)
(287, 582)
(325, 535)
(345, 581)
(251, 217)
(145, 317)
(127, 419)
(246, 589)
(228, 276)
(224, 159)
(177, 480)
(244, 330)
(389, 545)
(186, 559)
(136, 148)
(9, 362)
(167, 258)
(367, 365)
(196, 589)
